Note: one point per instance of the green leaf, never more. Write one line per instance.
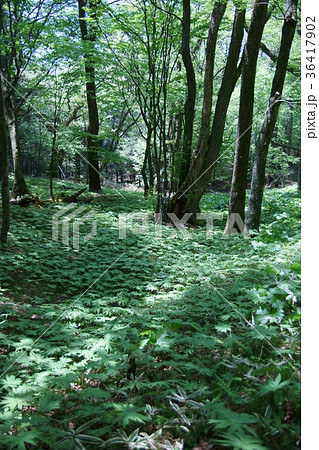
(87, 425)
(87, 438)
(25, 437)
(49, 402)
(240, 441)
(272, 386)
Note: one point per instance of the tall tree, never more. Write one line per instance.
(188, 196)
(21, 25)
(19, 186)
(11, 58)
(268, 126)
(246, 105)
(189, 107)
(4, 173)
(89, 38)
(148, 55)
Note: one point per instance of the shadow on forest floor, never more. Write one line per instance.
(161, 340)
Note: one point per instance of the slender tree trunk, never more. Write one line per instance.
(189, 107)
(148, 163)
(93, 128)
(239, 180)
(157, 163)
(78, 167)
(53, 159)
(188, 196)
(38, 153)
(289, 130)
(149, 157)
(144, 176)
(267, 129)
(164, 137)
(230, 78)
(216, 19)
(299, 175)
(175, 136)
(4, 174)
(19, 186)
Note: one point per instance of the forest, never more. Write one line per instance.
(150, 267)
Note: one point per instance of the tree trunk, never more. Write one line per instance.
(144, 176)
(216, 19)
(189, 107)
(149, 159)
(188, 196)
(93, 128)
(4, 174)
(78, 167)
(175, 136)
(148, 187)
(299, 175)
(53, 159)
(230, 78)
(19, 186)
(239, 180)
(267, 129)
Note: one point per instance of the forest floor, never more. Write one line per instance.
(173, 341)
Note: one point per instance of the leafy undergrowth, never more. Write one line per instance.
(175, 342)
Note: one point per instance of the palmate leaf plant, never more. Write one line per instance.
(24, 441)
(240, 441)
(225, 419)
(273, 386)
(278, 394)
(18, 397)
(191, 348)
(126, 413)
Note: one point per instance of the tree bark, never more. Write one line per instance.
(93, 128)
(4, 168)
(144, 176)
(53, 158)
(239, 179)
(216, 19)
(148, 187)
(175, 137)
(74, 197)
(19, 186)
(189, 107)
(188, 196)
(21, 35)
(267, 129)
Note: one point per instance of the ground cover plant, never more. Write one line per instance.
(127, 321)
(175, 342)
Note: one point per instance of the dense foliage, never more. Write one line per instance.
(182, 341)
(126, 320)
(50, 87)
